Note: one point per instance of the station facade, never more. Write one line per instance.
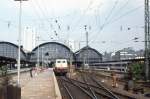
(10, 50)
(9, 55)
(50, 51)
(88, 55)
(47, 53)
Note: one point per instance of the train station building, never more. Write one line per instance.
(46, 53)
(9, 54)
(88, 55)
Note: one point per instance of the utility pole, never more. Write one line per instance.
(147, 41)
(19, 41)
(87, 41)
(70, 67)
(42, 56)
(38, 53)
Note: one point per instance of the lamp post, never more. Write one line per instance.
(38, 53)
(19, 40)
(87, 45)
(42, 56)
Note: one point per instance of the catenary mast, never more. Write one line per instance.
(147, 41)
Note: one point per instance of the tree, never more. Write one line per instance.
(3, 70)
(137, 70)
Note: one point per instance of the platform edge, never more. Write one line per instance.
(57, 91)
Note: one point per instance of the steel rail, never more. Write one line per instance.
(106, 89)
(82, 89)
(115, 93)
(66, 88)
(99, 93)
(93, 93)
(69, 93)
(110, 97)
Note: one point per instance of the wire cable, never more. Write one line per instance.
(108, 16)
(118, 18)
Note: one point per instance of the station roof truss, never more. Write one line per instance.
(10, 51)
(88, 54)
(50, 51)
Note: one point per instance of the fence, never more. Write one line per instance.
(9, 91)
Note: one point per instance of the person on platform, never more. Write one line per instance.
(114, 79)
(31, 69)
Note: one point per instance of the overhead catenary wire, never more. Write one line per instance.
(108, 16)
(37, 14)
(116, 19)
(110, 13)
(83, 14)
(121, 9)
(42, 16)
(98, 18)
(53, 25)
(8, 23)
(72, 25)
(45, 7)
(125, 14)
(40, 8)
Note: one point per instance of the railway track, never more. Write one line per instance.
(96, 89)
(118, 91)
(94, 81)
(142, 84)
(87, 88)
(70, 90)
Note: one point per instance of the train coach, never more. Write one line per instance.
(61, 67)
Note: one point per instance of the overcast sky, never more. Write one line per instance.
(111, 24)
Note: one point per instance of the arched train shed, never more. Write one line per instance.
(50, 51)
(88, 55)
(10, 50)
(9, 53)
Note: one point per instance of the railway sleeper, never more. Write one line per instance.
(85, 91)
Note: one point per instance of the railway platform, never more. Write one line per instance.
(42, 85)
